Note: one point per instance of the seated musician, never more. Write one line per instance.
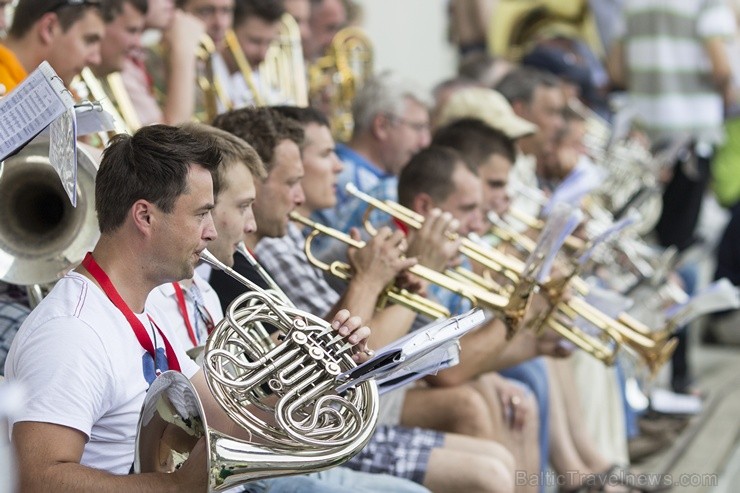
(71, 39)
(192, 316)
(391, 124)
(173, 101)
(256, 27)
(423, 451)
(588, 450)
(124, 24)
(65, 33)
(76, 432)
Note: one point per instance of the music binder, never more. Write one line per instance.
(419, 353)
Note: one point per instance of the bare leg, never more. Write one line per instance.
(459, 409)
(516, 429)
(471, 465)
(564, 456)
(475, 409)
(561, 371)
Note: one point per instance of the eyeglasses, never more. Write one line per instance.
(73, 3)
(417, 127)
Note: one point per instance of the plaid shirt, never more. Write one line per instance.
(303, 283)
(12, 314)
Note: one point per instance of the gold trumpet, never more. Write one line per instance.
(475, 294)
(561, 317)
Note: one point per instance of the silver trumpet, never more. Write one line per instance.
(282, 394)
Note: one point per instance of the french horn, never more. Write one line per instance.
(283, 395)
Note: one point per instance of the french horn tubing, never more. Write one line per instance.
(283, 395)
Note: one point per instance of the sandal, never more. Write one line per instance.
(618, 475)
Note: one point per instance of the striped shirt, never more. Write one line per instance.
(669, 74)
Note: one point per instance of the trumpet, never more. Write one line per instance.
(563, 313)
(476, 295)
(283, 395)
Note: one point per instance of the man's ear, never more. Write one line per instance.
(423, 204)
(380, 127)
(520, 107)
(47, 27)
(142, 214)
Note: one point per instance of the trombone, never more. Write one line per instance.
(283, 69)
(209, 84)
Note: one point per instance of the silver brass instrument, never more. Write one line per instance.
(41, 234)
(282, 395)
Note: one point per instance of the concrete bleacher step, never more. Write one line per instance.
(706, 451)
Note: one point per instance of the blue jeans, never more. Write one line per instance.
(335, 480)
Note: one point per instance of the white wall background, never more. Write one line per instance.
(410, 37)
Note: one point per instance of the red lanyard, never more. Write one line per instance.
(184, 312)
(140, 332)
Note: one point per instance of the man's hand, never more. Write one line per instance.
(381, 259)
(431, 245)
(354, 332)
(184, 34)
(192, 475)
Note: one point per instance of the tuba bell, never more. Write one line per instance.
(283, 395)
(41, 234)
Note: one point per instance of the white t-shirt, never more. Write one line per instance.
(82, 367)
(164, 301)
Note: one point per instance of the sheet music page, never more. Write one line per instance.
(391, 360)
(63, 152)
(30, 107)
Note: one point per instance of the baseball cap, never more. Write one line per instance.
(489, 106)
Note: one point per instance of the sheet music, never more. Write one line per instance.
(417, 354)
(30, 107)
(63, 152)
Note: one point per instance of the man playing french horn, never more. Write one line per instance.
(154, 196)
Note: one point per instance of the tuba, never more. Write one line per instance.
(282, 395)
(515, 25)
(41, 234)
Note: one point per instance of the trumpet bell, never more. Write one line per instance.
(41, 233)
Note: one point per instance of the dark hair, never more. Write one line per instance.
(303, 115)
(269, 11)
(114, 8)
(521, 82)
(153, 165)
(263, 128)
(233, 151)
(429, 171)
(28, 12)
(475, 141)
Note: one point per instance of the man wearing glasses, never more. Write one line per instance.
(391, 124)
(66, 33)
